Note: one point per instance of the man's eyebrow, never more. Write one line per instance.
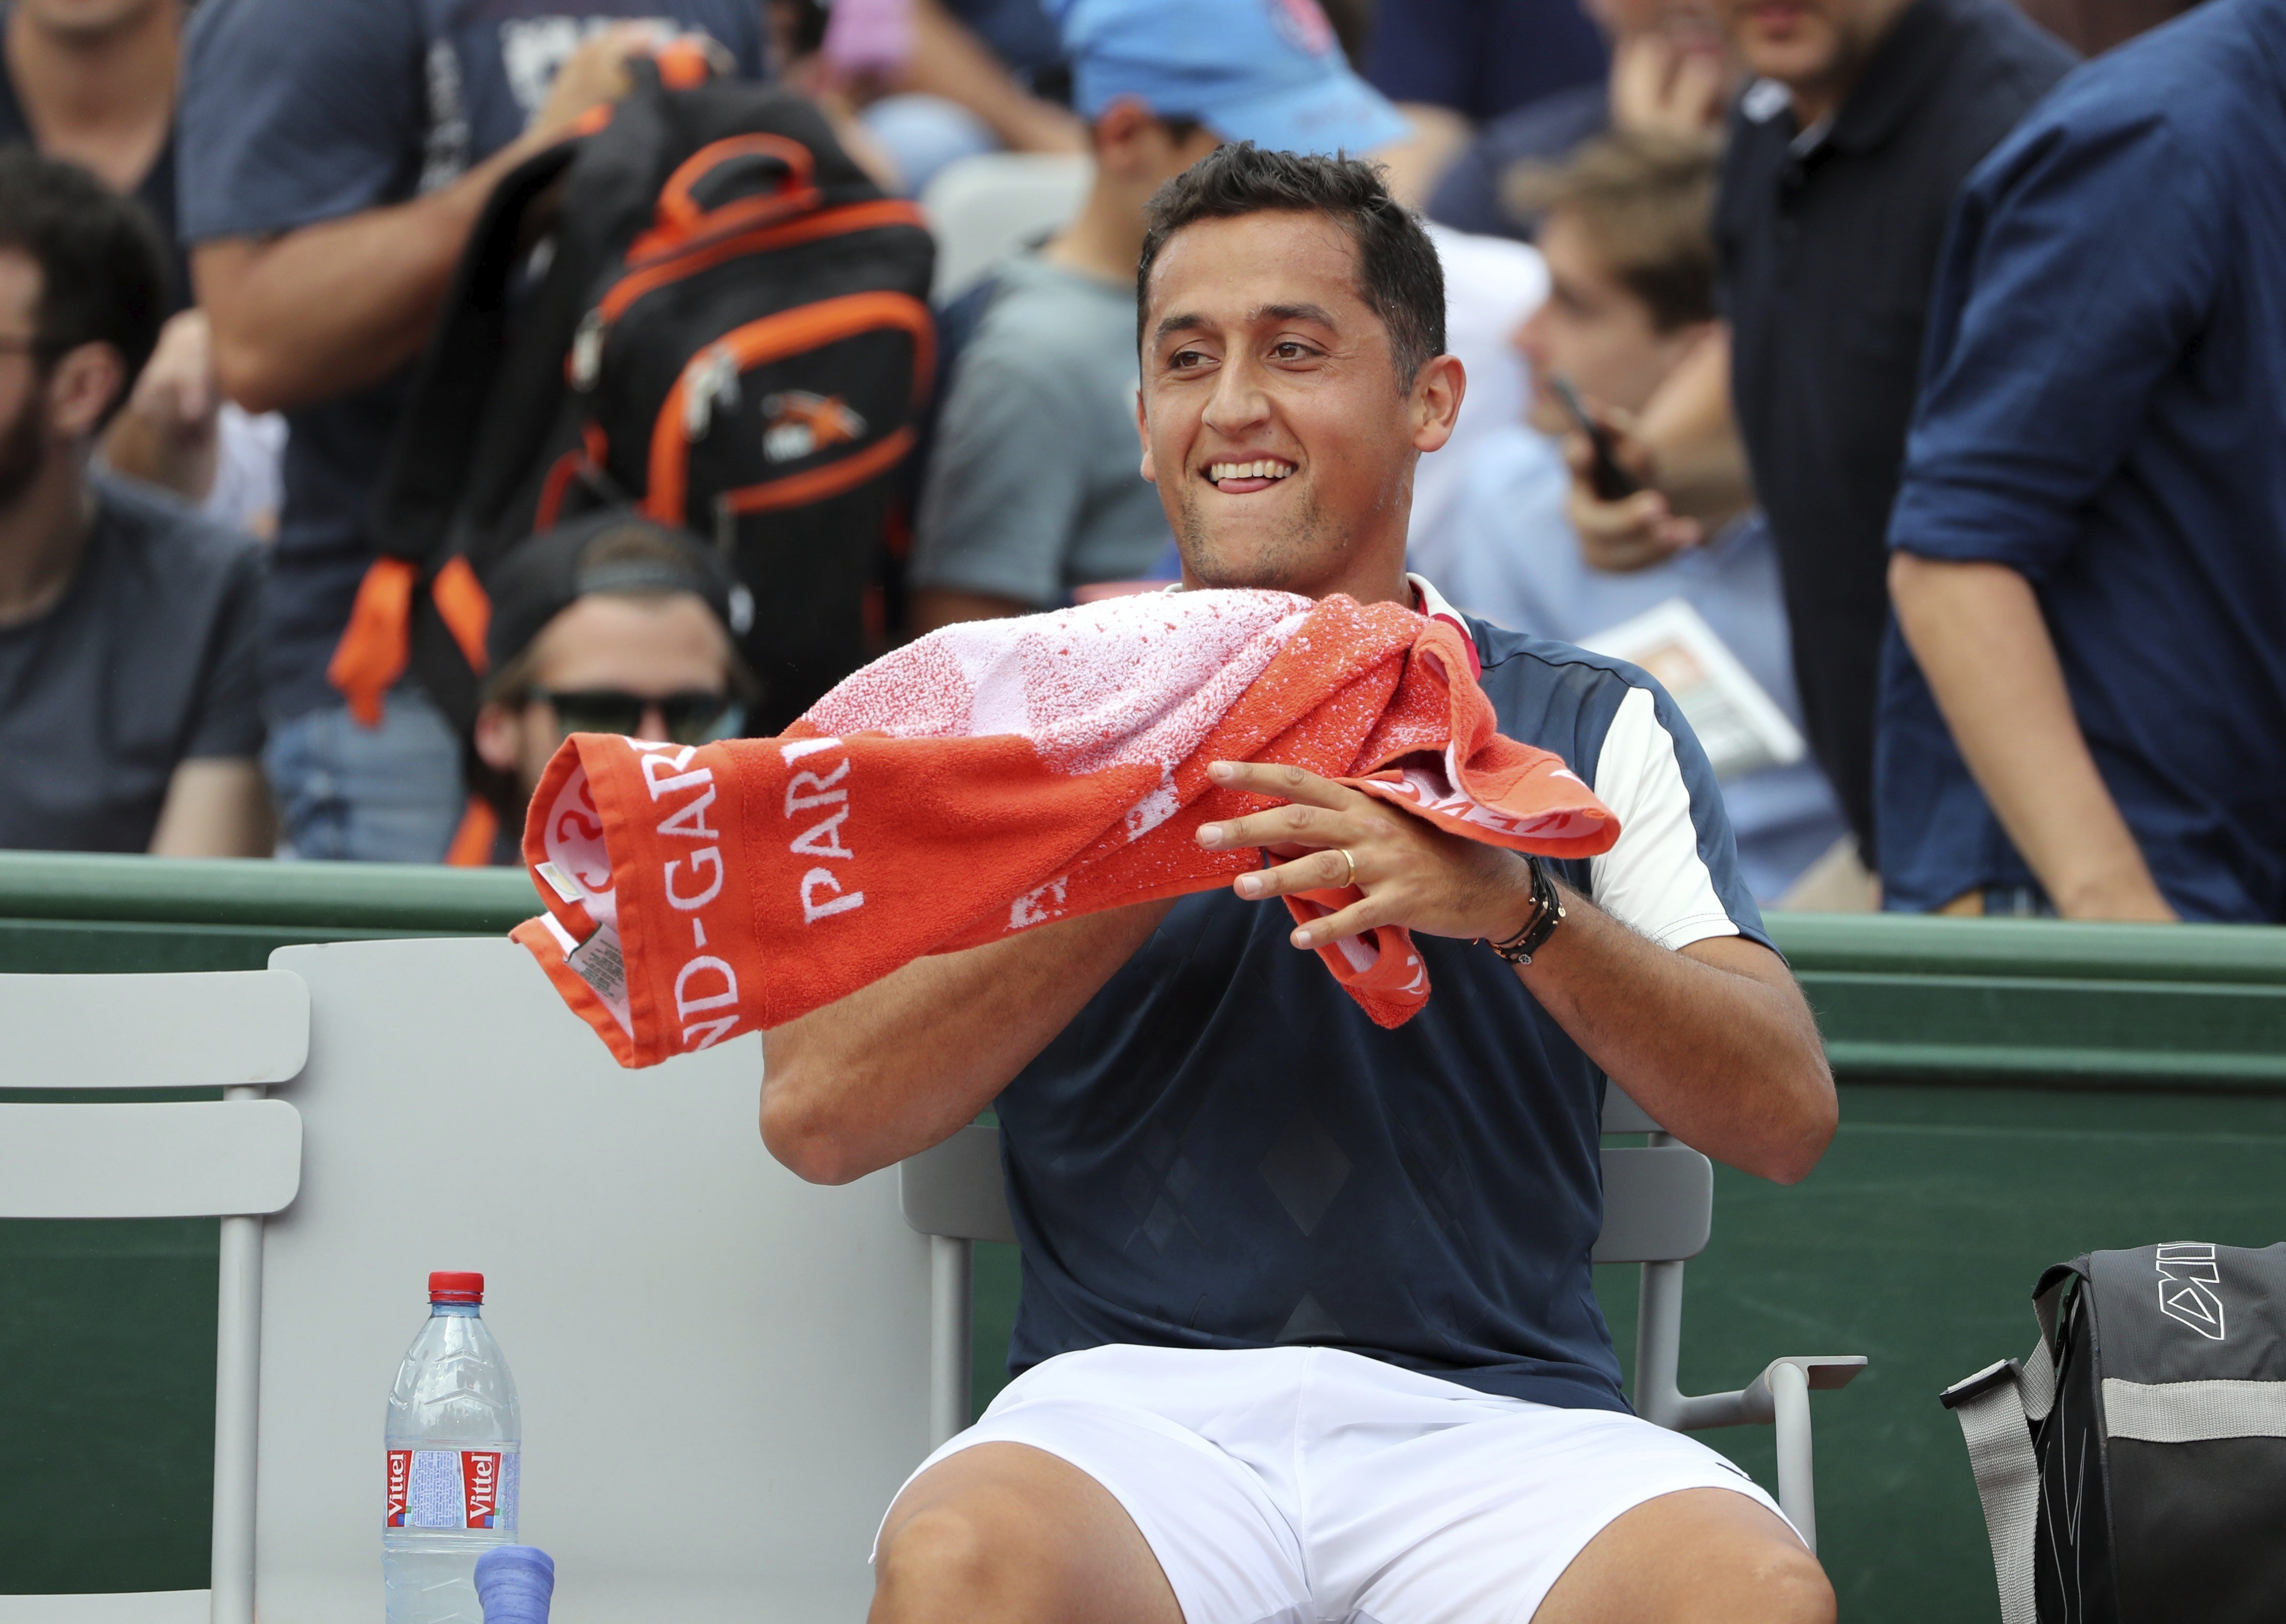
(1189, 321)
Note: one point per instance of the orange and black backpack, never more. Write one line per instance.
(701, 306)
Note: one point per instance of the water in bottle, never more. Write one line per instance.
(453, 1436)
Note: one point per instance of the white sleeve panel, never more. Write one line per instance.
(1652, 879)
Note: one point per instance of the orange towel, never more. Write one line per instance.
(998, 775)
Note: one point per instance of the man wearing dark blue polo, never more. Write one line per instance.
(2087, 709)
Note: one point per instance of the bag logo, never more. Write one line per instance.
(2185, 1271)
(798, 424)
(480, 1475)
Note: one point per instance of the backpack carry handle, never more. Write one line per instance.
(785, 168)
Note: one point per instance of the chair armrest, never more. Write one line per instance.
(1821, 1372)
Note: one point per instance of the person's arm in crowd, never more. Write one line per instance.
(327, 308)
(1978, 635)
(168, 432)
(950, 61)
(1714, 1039)
(2077, 274)
(939, 606)
(1416, 164)
(1683, 446)
(215, 808)
(898, 1066)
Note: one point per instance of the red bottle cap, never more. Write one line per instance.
(453, 1286)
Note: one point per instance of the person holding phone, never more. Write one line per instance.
(1631, 298)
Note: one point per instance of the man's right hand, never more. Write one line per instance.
(1635, 532)
(594, 74)
(1658, 88)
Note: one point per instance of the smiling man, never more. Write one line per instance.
(1307, 1327)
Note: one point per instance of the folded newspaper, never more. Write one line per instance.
(1740, 726)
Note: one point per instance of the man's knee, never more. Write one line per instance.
(1797, 1589)
(939, 1563)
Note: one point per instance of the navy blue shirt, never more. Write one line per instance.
(299, 111)
(1482, 57)
(1223, 1151)
(2106, 412)
(1471, 196)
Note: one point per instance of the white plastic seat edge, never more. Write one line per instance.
(194, 1159)
(206, 1029)
(128, 1607)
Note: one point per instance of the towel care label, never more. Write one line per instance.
(451, 1488)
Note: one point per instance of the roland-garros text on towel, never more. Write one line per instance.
(1002, 774)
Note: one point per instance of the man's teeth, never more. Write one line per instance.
(1249, 470)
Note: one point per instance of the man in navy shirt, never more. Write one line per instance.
(333, 157)
(1307, 1327)
(2090, 541)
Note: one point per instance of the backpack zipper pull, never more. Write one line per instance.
(713, 377)
(587, 350)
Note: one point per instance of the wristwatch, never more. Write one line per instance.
(1547, 914)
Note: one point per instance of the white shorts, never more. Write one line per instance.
(1292, 1485)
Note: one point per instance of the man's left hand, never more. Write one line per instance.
(1412, 873)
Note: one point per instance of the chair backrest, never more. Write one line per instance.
(982, 208)
(1659, 1199)
(236, 1159)
(721, 1368)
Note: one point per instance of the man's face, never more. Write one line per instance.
(1271, 417)
(653, 648)
(1806, 45)
(24, 438)
(1593, 330)
(87, 19)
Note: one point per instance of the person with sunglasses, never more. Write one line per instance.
(609, 624)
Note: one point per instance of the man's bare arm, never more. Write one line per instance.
(329, 308)
(1715, 1041)
(892, 1069)
(1978, 634)
(941, 606)
(215, 806)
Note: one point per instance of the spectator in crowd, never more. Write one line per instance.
(1837, 177)
(129, 711)
(928, 82)
(334, 160)
(609, 624)
(2089, 563)
(1452, 65)
(1032, 488)
(1631, 267)
(93, 82)
(1315, 1336)
(1672, 74)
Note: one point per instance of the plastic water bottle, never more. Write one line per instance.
(453, 1436)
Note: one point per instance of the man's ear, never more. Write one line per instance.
(81, 388)
(1143, 433)
(1118, 131)
(1435, 402)
(499, 737)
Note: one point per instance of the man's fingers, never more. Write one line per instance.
(1297, 825)
(1320, 871)
(1284, 782)
(1356, 919)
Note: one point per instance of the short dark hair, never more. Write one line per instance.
(1646, 204)
(103, 264)
(1400, 276)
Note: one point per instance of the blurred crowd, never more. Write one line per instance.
(1902, 381)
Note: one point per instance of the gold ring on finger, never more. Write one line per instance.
(1349, 879)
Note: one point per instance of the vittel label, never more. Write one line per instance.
(451, 1488)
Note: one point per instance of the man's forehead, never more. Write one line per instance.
(1268, 267)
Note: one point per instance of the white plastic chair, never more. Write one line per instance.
(238, 1159)
(723, 1369)
(1658, 1206)
(981, 209)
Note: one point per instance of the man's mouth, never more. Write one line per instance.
(1238, 478)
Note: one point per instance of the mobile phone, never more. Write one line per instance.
(1609, 481)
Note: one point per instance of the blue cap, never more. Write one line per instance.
(1266, 71)
(514, 1583)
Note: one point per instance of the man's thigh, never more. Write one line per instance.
(1697, 1556)
(1006, 1532)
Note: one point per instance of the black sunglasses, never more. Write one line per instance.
(696, 718)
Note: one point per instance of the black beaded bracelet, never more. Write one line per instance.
(1547, 914)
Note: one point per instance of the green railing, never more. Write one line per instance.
(2013, 1092)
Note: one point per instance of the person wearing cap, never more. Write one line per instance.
(1032, 490)
(609, 624)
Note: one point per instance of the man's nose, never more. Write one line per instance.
(1239, 398)
(654, 721)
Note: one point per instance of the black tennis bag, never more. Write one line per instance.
(704, 308)
(2133, 1468)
